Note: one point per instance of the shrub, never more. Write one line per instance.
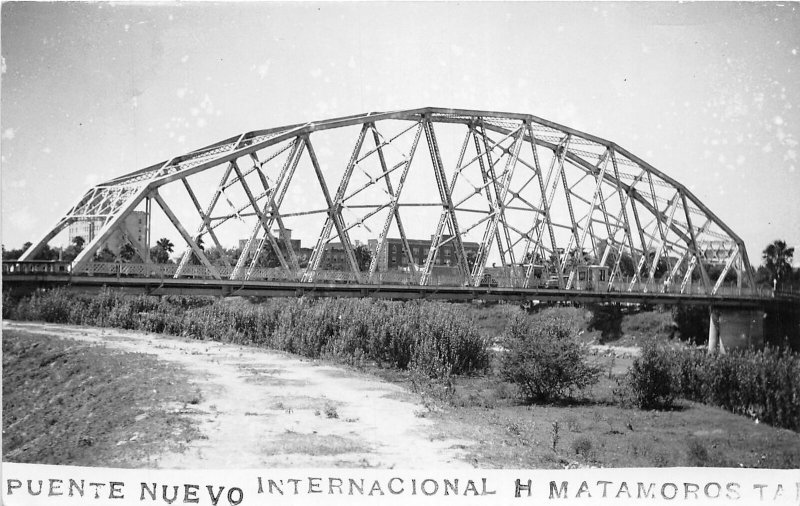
(648, 323)
(544, 360)
(763, 384)
(696, 453)
(434, 339)
(583, 446)
(648, 383)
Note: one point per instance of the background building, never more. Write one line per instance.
(135, 227)
(393, 255)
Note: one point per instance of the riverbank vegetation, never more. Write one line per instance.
(525, 384)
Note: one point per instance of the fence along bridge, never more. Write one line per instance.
(508, 205)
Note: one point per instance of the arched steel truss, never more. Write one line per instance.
(527, 190)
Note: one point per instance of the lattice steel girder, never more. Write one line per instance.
(576, 159)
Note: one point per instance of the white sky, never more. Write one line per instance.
(707, 93)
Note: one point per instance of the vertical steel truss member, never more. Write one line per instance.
(509, 208)
(448, 210)
(280, 187)
(205, 224)
(493, 178)
(487, 177)
(334, 210)
(598, 191)
(498, 211)
(545, 209)
(191, 242)
(395, 197)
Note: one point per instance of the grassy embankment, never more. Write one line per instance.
(68, 402)
(442, 352)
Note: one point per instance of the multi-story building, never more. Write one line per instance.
(303, 254)
(393, 255)
(135, 227)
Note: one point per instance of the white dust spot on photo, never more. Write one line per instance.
(3, 67)
(316, 73)
(8, 134)
(263, 69)
(777, 120)
(18, 184)
(206, 105)
(181, 92)
(185, 58)
(351, 62)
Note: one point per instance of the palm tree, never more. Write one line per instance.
(160, 252)
(778, 261)
(165, 244)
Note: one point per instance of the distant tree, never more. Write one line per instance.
(48, 253)
(661, 268)
(471, 257)
(778, 261)
(160, 252)
(201, 245)
(105, 255)
(215, 254)
(363, 257)
(127, 253)
(74, 249)
(14, 254)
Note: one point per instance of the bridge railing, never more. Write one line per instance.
(36, 267)
(496, 280)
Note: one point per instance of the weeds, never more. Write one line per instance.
(434, 339)
(583, 446)
(554, 435)
(763, 385)
(648, 383)
(696, 453)
(330, 411)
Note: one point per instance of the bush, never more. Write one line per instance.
(649, 381)
(648, 323)
(763, 385)
(432, 338)
(545, 360)
(583, 446)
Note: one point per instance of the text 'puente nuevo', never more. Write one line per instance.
(423, 197)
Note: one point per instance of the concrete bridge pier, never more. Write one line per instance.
(732, 328)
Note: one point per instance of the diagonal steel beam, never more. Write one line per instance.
(448, 215)
(205, 219)
(189, 240)
(395, 196)
(498, 212)
(334, 211)
(275, 201)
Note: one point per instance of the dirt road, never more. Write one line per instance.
(267, 409)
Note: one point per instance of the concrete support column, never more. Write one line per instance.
(713, 332)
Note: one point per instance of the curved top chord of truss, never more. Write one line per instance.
(539, 198)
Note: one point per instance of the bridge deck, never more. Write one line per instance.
(183, 286)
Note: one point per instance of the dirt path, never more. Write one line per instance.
(268, 409)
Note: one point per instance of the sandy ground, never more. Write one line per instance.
(267, 409)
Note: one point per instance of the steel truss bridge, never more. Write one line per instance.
(554, 211)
